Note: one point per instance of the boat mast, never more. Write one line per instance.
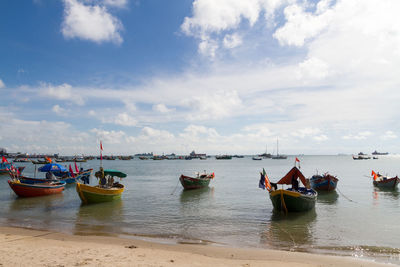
(277, 146)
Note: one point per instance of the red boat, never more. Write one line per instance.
(36, 190)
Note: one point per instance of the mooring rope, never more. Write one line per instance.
(283, 202)
(175, 187)
(349, 199)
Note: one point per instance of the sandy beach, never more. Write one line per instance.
(26, 247)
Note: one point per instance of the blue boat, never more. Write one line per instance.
(5, 167)
(325, 182)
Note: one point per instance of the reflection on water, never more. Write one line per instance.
(101, 218)
(292, 231)
(194, 215)
(327, 197)
(380, 194)
(39, 204)
(32, 210)
(196, 195)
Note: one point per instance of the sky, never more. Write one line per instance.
(217, 77)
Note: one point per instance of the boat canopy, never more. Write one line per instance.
(53, 167)
(294, 172)
(114, 173)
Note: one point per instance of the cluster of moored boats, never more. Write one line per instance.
(296, 192)
(302, 198)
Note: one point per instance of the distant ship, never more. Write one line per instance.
(265, 155)
(277, 156)
(380, 153)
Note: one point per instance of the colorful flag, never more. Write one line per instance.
(4, 160)
(374, 175)
(48, 159)
(71, 171)
(76, 168)
(264, 181)
(101, 149)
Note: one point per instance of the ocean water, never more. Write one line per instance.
(357, 220)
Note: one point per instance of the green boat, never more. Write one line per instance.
(200, 181)
(106, 191)
(294, 199)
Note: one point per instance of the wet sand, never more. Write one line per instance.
(26, 247)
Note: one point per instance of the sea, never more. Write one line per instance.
(356, 220)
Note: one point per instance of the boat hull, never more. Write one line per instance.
(390, 183)
(323, 183)
(94, 194)
(292, 200)
(189, 183)
(36, 190)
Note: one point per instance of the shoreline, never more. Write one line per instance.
(50, 248)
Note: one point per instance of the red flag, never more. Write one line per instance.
(4, 160)
(101, 146)
(76, 168)
(48, 159)
(71, 171)
(374, 174)
(297, 159)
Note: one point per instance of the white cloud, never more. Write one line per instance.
(197, 132)
(2, 85)
(306, 132)
(211, 16)
(232, 40)
(58, 110)
(116, 3)
(213, 106)
(162, 108)
(109, 137)
(321, 138)
(359, 136)
(389, 135)
(154, 134)
(312, 68)
(62, 92)
(302, 25)
(208, 47)
(90, 22)
(125, 120)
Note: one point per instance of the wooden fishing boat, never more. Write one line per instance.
(36, 190)
(104, 192)
(41, 161)
(384, 182)
(325, 182)
(387, 182)
(5, 167)
(200, 181)
(83, 176)
(294, 199)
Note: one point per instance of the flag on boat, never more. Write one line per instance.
(3, 160)
(101, 151)
(76, 168)
(71, 171)
(48, 159)
(297, 159)
(264, 181)
(374, 175)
